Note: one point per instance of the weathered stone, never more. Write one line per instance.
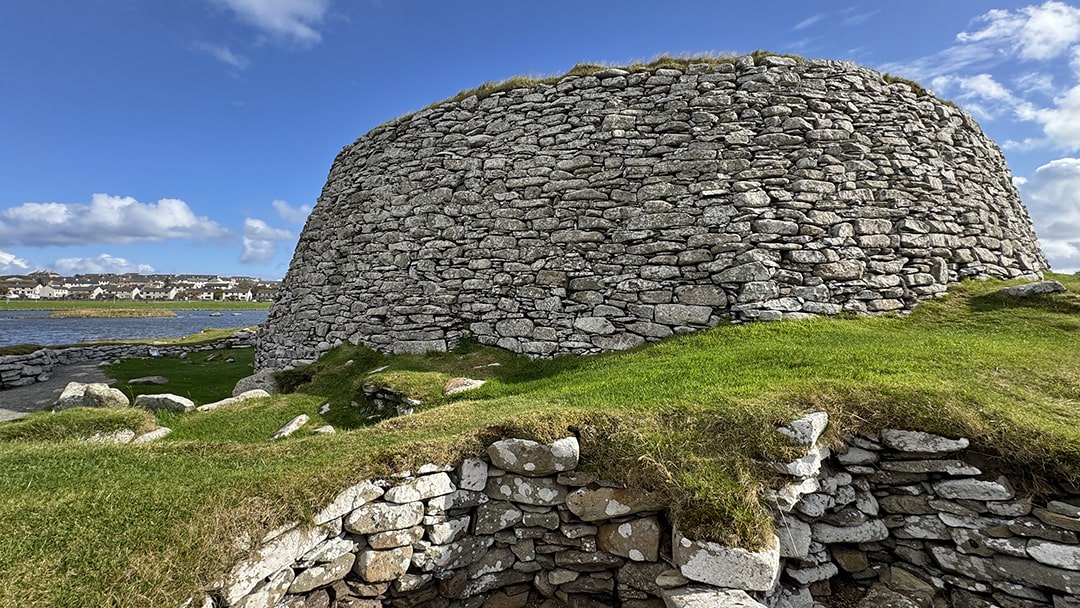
(731, 567)
(978, 568)
(1032, 289)
(268, 593)
(607, 503)
(456, 500)
(395, 538)
(794, 535)
(1054, 554)
(949, 467)
(974, 489)
(77, 394)
(290, 427)
(164, 401)
(269, 559)
(805, 576)
(636, 539)
(323, 574)
(472, 474)
(381, 517)
(1032, 572)
(807, 429)
(148, 380)
(533, 459)
(918, 441)
(453, 556)
(543, 491)
(263, 379)
(587, 561)
(496, 515)
(421, 488)
(869, 531)
(880, 596)
(154, 435)
(382, 566)
(1057, 519)
(1033, 528)
(695, 596)
(256, 393)
(347, 500)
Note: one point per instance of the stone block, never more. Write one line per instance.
(382, 517)
(529, 458)
(728, 567)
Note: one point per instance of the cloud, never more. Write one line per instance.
(980, 94)
(102, 264)
(1052, 196)
(106, 219)
(293, 215)
(9, 264)
(1060, 123)
(223, 54)
(1032, 32)
(261, 241)
(811, 20)
(289, 20)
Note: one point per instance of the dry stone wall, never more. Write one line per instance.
(23, 370)
(610, 209)
(901, 519)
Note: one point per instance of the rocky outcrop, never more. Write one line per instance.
(610, 209)
(96, 394)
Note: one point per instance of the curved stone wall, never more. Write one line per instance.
(609, 209)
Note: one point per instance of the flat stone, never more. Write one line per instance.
(322, 574)
(1063, 508)
(454, 386)
(918, 441)
(880, 596)
(448, 531)
(256, 393)
(421, 488)
(381, 517)
(154, 435)
(164, 402)
(1034, 528)
(268, 593)
(395, 538)
(978, 568)
(348, 500)
(731, 567)
(805, 576)
(949, 467)
(472, 474)
(1033, 289)
(1054, 554)
(461, 499)
(533, 459)
(642, 576)
(148, 380)
(527, 490)
(974, 489)
(587, 561)
(269, 559)
(290, 427)
(453, 556)
(695, 596)
(636, 539)
(1031, 572)
(607, 503)
(1058, 520)
(496, 515)
(260, 380)
(869, 531)
(794, 535)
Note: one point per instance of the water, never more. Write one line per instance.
(33, 326)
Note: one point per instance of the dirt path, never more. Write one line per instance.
(18, 402)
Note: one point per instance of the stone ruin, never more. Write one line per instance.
(605, 210)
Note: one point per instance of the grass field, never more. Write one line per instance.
(6, 304)
(691, 417)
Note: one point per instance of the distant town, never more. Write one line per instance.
(45, 285)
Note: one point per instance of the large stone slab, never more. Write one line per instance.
(268, 559)
(381, 517)
(164, 401)
(974, 489)
(728, 567)
(322, 575)
(636, 539)
(541, 491)
(918, 441)
(348, 500)
(382, 566)
(868, 531)
(97, 394)
(421, 488)
(694, 596)
(607, 503)
(1054, 554)
(534, 459)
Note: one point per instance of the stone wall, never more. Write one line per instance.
(900, 515)
(609, 209)
(22, 370)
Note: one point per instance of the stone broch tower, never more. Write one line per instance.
(609, 209)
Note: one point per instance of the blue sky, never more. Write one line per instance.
(195, 135)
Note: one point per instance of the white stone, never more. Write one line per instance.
(268, 559)
(270, 592)
(808, 465)
(421, 488)
(729, 567)
(1054, 554)
(808, 429)
(348, 500)
(794, 535)
(290, 427)
(704, 597)
(322, 574)
(473, 474)
(256, 393)
(448, 531)
(381, 517)
(153, 435)
(533, 459)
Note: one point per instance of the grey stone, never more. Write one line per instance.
(869, 531)
(974, 489)
(695, 596)
(542, 491)
(263, 379)
(731, 567)
(148, 380)
(1054, 554)
(1032, 289)
(322, 574)
(164, 401)
(533, 459)
(290, 427)
(381, 517)
(77, 394)
(421, 488)
(918, 441)
(608, 503)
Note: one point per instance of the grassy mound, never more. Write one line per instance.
(691, 417)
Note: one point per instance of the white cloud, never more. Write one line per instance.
(1060, 123)
(223, 54)
(10, 264)
(102, 264)
(1033, 32)
(291, 20)
(1052, 196)
(805, 23)
(261, 241)
(293, 215)
(106, 219)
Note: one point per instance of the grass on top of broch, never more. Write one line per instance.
(691, 417)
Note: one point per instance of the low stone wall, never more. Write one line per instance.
(23, 370)
(900, 515)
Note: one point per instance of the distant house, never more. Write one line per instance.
(54, 290)
(27, 290)
(84, 293)
(236, 295)
(158, 293)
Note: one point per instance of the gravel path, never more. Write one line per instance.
(18, 402)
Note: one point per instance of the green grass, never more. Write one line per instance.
(193, 376)
(6, 304)
(690, 417)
